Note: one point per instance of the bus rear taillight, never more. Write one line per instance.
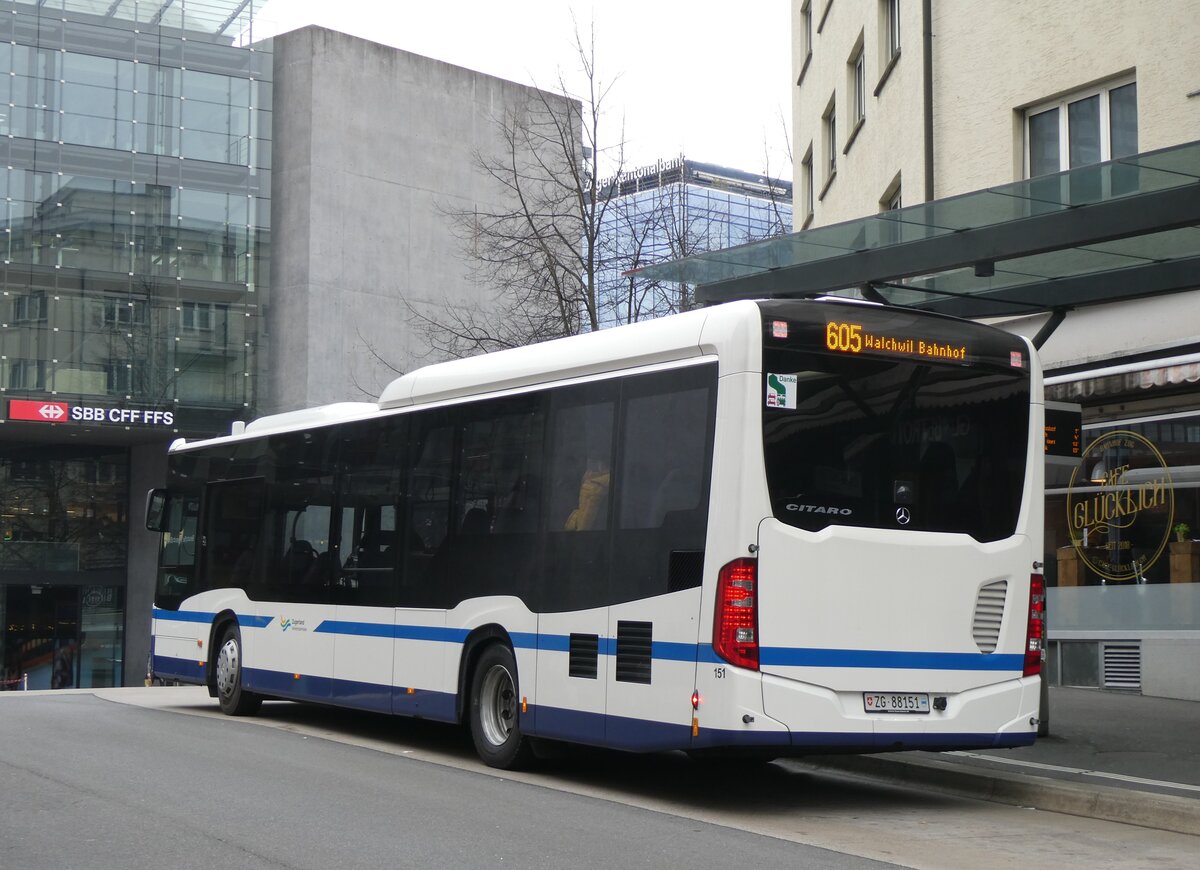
(1035, 635)
(735, 622)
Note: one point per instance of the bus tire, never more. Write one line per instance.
(234, 700)
(495, 710)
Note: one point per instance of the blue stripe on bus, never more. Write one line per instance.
(243, 619)
(183, 615)
(438, 633)
(889, 659)
(526, 639)
(795, 657)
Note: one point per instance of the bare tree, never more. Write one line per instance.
(540, 253)
(561, 257)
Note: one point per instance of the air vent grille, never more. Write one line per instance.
(634, 646)
(989, 614)
(585, 650)
(1122, 666)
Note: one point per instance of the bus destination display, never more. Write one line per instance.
(848, 337)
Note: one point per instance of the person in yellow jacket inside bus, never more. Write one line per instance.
(593, 498)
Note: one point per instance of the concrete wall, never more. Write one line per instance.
(1171, 668)
(371, 146)
(994, 60)
(890, 142)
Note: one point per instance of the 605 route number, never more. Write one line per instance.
(844, 337)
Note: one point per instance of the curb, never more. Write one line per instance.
(1127, 806)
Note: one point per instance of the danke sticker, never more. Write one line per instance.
(781, 391)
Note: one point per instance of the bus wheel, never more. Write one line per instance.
(495, 711)
(234, 700)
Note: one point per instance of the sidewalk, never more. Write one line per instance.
(1110, 755)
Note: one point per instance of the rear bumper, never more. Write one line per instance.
(1001, 714)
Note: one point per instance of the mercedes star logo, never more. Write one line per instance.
(903, 516)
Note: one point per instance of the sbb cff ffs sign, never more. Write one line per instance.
(37, 411)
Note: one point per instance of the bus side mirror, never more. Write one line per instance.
(158, 510)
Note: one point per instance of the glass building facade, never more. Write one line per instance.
(672, 210)
(135, 159)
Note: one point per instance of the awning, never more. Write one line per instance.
(1132, 378)
(1125, 229)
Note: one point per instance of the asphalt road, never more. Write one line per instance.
(161, 779)
(89, 783)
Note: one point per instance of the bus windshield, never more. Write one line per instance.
(894, 439)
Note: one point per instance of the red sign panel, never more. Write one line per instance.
(38, 411)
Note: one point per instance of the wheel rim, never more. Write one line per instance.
(227, 668)
(497, 705)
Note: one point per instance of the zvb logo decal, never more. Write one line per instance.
(294, 624)
(903, 516)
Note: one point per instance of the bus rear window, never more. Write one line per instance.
(899, 444)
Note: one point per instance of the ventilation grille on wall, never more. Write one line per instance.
(989, 613)
(1122, 665)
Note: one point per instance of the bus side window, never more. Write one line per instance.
(499, 499)
(233, 529)
(667, 423)
(575, 569)
(368, 493)
(580, 467)
(300, 563)
(430, 490)
(177, 561)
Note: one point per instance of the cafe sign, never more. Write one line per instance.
(1120, 506)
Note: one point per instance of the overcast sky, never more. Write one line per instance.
(705, 78)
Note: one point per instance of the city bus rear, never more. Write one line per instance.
(895, 596)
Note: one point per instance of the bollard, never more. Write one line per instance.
(25, 682)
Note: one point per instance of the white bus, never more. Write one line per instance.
(772, 527)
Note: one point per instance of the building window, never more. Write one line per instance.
(123, 378)
(29, 307)
(197, 316)
(1082, 128)
(860, 86)
(891, 200)
(806, 32)
(806, 186)
(892, 23)
(119, 312)
(27, 374)
(829, 120)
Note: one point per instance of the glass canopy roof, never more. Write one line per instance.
(214, 17)
(1116, 230)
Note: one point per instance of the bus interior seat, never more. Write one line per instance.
(298, 560)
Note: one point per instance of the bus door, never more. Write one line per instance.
(295, 658)
(420, 661)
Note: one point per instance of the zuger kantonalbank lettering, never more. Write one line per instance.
(1120, 506)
